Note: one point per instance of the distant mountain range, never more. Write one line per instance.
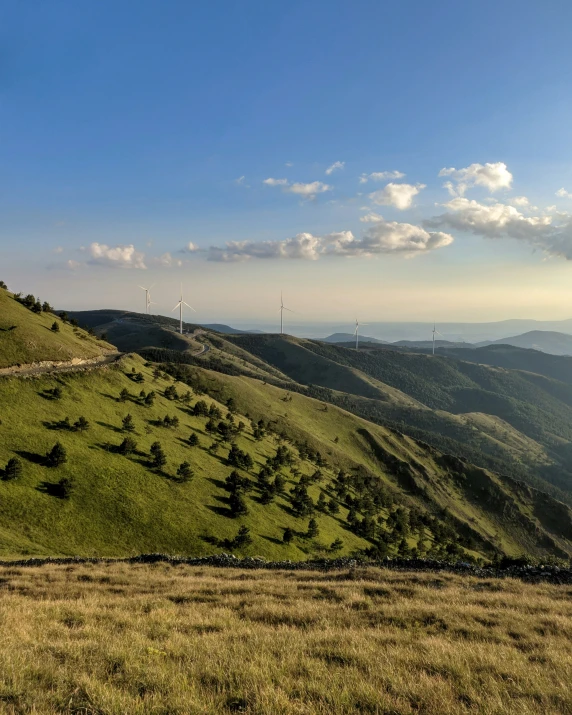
(351, 338)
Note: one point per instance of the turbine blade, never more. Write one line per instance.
(288, 309)
(142, 288)
(175, 308)
(189, 306)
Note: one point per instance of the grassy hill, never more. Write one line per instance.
(548, 341)
(121, 505)
(26, 337)
(440, 400)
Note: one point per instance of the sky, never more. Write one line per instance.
(392, 161)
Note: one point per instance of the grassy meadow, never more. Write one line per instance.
(116, 639)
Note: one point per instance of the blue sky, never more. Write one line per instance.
(127, 126)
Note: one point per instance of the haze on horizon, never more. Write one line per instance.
(316, 148)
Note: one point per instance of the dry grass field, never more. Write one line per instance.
(165, 639)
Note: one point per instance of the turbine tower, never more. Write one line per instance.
(356, 332)
(180, 305)
(435, 332)
(282, 309)
(148, 300)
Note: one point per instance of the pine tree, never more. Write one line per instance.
(243, 538)
(128, 423)
(288, 535)
(321, 503)
(64, 488)
(150, 399)
(313, 529)
(128, 446)
(159, 459)
(55, 326)
(123, 395)
(184, 472)
(56, 456)
(13, 469)
(237, 505)
(193, 440)
(333, 506)
(57, 393)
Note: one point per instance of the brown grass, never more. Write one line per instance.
(171, 640)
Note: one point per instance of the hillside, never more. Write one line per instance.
(350, 338)
(403, 495)
(546, 341)
(131, 332)
(27, 337)
(439, 400)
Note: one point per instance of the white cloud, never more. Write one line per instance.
(275, 182)
(288, 163)
(241, 181)
(563, 194)
(118, 256)
(65, 266)
(491, 176)
(167, 261)
(190, 248)
(504, 221)
(382, 237)
(519, 201)
(371, 217)
(309, 190)
(398, 195)
(381, 176)
(336, 165)
(58, 249)
(550, 209)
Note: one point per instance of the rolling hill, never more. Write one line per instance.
(368, 487)
(27, 337)
(546, 341)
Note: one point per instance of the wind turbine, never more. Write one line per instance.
(148, 300)
(180, 305)
(281, 310)
(435, 332)
(356, 332)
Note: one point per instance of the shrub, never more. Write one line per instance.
(81, 425)
(56, 456)
(193, 440)
(57, 393)
(13, 469)
(150, 399)
(337, 545)
(64, 488)
(288, 535)
(124, 395)
(55, 327)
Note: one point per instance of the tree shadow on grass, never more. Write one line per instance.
(108, 426)
(111, 397)
(51, 488)
(58, 425)
(47, 395)
(33, 457)
(273, 540)
(221, 511)
(217, 483)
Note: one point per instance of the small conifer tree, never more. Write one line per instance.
(128, 423)
(56, 456)
(288, 535)
(13, 469)
(55, 326)
(193, 440)
(184, 472)
(313, 529)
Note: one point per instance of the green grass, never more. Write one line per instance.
(119, 505)
(26, 337)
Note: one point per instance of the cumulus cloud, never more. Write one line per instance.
(382, 237)
(381, 176)
(275, 182)
(308, 191)
(491, 176)
(58, 249)
(167, 261)
(563, 194)
(519, 201)
(336, 165)
(190, 248)
(115, 256)
(398, 195)
(371, 217)
(65, 266)
(503, 221)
